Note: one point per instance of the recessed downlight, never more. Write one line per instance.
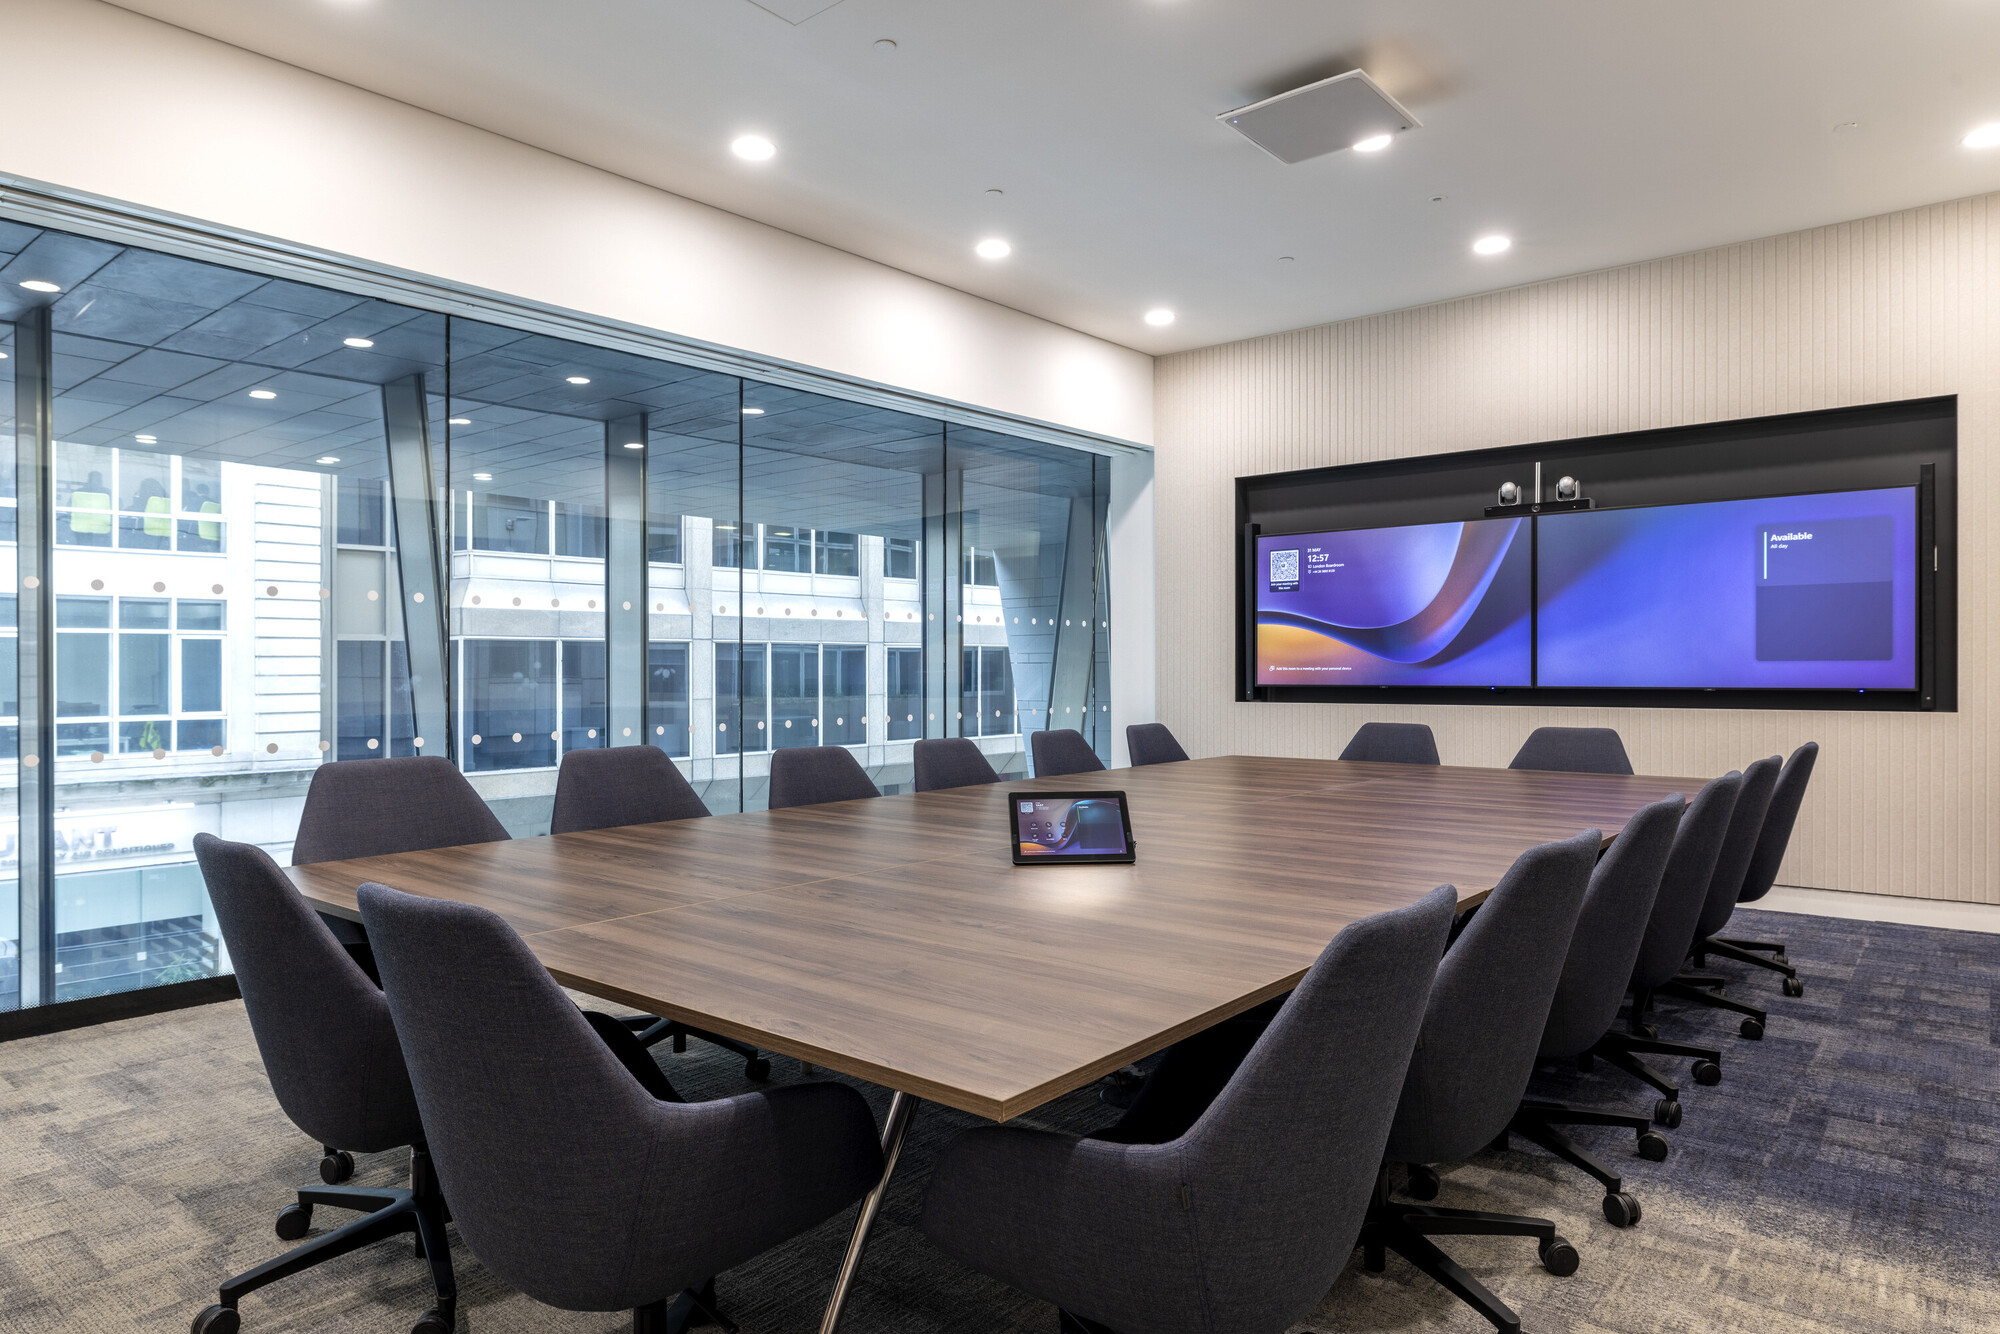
(753, 412)
(38, 285)
(482, 477)
(993, 248)
(1492, 245)
(359, 342)
(459, 421)
(579, 379)
(634, 444)
(753, 148)
(147, 439)
(263, 393)
(1986, 136)
(1159, 317)
(327, 458)
(1374, 143)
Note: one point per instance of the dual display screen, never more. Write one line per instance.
(1812, 592)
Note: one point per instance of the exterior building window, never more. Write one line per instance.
(834, 553)
(728, 553)
(361, 506)
(899, 558)
(981, 571)
(667, 696)
(906, 693)
(663, 540)
(787, 550)
(844, 695)
(161, 675)
(126, 497)
(794, 695)
(742, 709)
(585, 707)
(579, 530)
(510, 524)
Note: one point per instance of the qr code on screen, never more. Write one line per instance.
(1284, 567)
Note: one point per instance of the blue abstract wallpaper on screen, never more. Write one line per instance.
(1441, 604)
(1792, 593)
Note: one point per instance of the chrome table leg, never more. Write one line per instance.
(901, 1108)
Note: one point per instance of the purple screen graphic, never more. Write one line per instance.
(1442, 604)
(1813, 592)
(1093, 826)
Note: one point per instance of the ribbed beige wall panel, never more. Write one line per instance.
(1901, 306)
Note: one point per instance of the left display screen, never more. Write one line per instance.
(1440, 604)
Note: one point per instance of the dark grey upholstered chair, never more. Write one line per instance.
(1482, 1027)
(950, 762)
(1602, 950)
(1392, 743)
(620, 785)
(1063, 751)
(1663, 950)
(367, 808)
(567, 1177)
(812, 775)
(626, 785)
(1765, 862)
(1240, 1223)
(1577, 750)
(1152, 743)
(1746, 825)
(330, 1050)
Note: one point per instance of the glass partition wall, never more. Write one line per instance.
(264, 526)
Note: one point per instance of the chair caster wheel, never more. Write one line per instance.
(1707, 1073)
(216, 1320)
(757, 1068)
(1559, 1257)
(336, 1167)
(1667, 1112)
(1620, 1210)
(294, 1221)
(1423, 1184)
(434, 1321)
(1652, 1146)
(1650, 1032)
(1753, 1030)
(1794, 987)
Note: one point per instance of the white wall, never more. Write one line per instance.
(108, 102)
(1895, 307)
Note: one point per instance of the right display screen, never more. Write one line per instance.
(1809, 592)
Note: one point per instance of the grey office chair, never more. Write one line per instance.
(1239, 1223)
(627, 785)
(1602, 950)
(567, 1177)
(1392, 743)
(330, 1051)
(1765, 862)
(1482, 1027)
(1746, 824)
(1663, 949)
(1577, 750)
(813, 775)
(620, 785)
(1063, 751)
(1152, 743)
(950, 762)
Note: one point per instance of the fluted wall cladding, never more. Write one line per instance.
(1906, 305)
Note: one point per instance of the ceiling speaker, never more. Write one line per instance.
(1321, 118)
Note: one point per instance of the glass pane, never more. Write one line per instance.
(10, 811)
(794, 695)
(363, 510)
(667, 696)
(509, 523)
(899, 558)
(834, 553)
(584, 704)
(843, 696)
(361, 692)
(580, 530)
(207, 423)
(905, 693)
(663, 539)
(742, 706)
(787, 549)
(509, 696)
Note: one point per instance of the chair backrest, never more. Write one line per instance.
(1152, 743)
(1746, 824)
(1778, 821)
(1063, 751)
(620, 785)
(810, 775)
(1577, 750)
(1483, 1023)
(950, 762)
(1684, 887)
(1392, 743)
(366, 808)
(1609, 929)
(322, 1027)
(552, 1155)
(1282, 1164)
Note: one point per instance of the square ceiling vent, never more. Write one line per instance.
(1321, 118)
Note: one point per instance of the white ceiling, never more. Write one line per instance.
(1593, 133)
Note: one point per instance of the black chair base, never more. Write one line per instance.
(388, 1212)
(1536, 1121)
(1068, 1322)
(694, 1307)
(1407, 1229)
(1641, 1036)
(1706, 991)
(1752, 952)
(653, 1030)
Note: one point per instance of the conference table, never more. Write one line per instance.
(894, 940)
